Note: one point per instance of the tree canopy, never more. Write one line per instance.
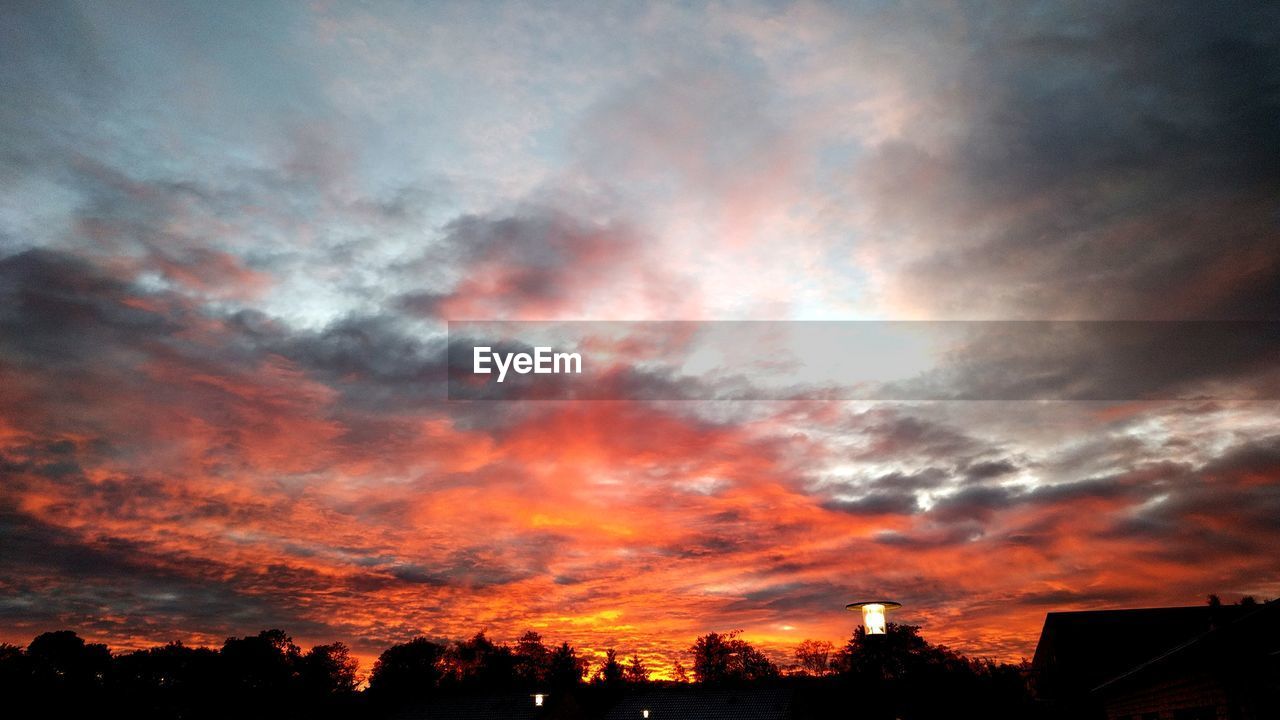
(898, 674)
(727, 658)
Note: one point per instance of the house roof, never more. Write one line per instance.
(700, 703)
(1079, 651)
(1247, 638)
(686, 702)
(509, 706)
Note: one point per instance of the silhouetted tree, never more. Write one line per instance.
(1249, 601)
(328, 670)
(532, 660)
(887, 656)
(263, 665)
(610, 671)
(480, 664)
(712, 655)
(565, 668)
(15, 670)
(408, 669)
(901, 675)
(170, 681)
(725, 657)
(66, 673)
(636, 671)
(756, 665)
(896, 675)
(62, 661)
(1215, 601)
(814, 656)
(678, 673)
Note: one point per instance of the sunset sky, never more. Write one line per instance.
(231, 236)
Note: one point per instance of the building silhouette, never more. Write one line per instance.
(1210, 662)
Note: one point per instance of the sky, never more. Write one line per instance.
(232, 234)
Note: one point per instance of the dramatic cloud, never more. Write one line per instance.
(230, 243)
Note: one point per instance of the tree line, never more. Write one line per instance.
(268, 673)
(265, 673)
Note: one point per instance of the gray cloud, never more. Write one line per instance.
(1118, 166)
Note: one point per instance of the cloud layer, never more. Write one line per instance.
(229, 243)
